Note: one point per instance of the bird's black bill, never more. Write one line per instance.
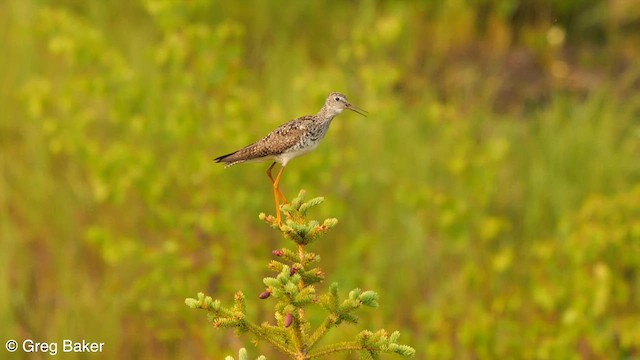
(357, 110)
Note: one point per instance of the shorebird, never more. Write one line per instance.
(290, 140)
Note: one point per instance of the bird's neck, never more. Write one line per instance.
(327, 115)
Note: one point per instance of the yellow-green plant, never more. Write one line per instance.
(243, 355)
(294, 289)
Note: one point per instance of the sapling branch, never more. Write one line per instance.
(294, 290)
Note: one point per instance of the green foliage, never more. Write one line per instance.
(295, 289)
(243, 355)
(380, 342)
(596, 258)
(295, 228)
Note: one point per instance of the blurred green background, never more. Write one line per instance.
(492, 196)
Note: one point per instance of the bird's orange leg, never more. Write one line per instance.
(284, 199)
(276, 199)
(276, 191)
(269, 172)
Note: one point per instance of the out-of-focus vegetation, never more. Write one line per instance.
(491, 196)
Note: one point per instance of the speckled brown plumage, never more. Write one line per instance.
(275, 143)
(294, 138)
(288, 141)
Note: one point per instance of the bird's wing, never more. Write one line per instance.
(275, 143)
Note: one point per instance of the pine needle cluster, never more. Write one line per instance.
(294, 287)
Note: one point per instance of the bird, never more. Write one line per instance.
(290, 140)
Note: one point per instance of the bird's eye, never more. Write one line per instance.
(337, 99)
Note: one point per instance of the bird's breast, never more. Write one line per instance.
(296, 151)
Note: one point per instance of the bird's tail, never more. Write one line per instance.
(225, 159)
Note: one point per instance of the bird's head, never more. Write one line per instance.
(336, 102)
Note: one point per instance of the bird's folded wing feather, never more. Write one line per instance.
(275, 143)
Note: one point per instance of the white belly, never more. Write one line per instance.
(284, 158)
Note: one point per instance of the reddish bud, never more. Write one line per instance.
(277, 252)
(265, 294)
(288, 320)
(292, 271)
